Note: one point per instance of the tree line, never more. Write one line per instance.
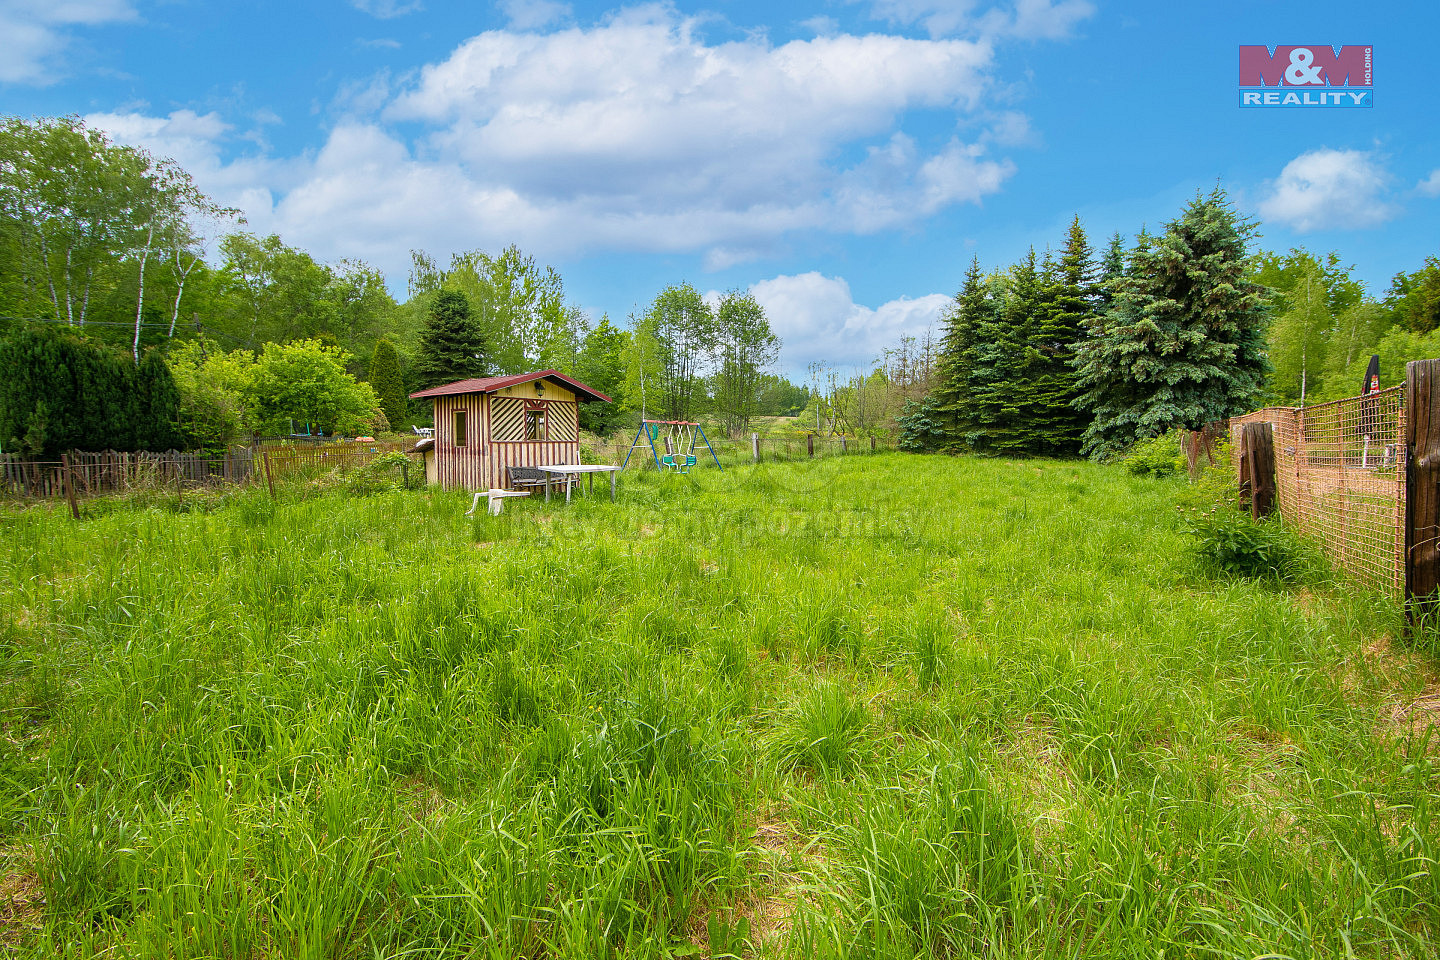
(106, 246)
(1071, 352)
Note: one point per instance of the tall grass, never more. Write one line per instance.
(876, 707)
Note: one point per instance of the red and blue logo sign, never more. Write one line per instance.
(1313, 75)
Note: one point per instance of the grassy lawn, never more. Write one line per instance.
(871, 707)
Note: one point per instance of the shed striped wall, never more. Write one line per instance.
(462, 467)
(507, 419)
(482, 462)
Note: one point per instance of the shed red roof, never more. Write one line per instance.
(492, 384)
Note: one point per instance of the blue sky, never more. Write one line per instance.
(844, 160)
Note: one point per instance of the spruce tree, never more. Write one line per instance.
(1183, 343)
(389, 384)
(1053, 424)
(1112, 265)
(452, 346)
(1004, 361)
(948, 406)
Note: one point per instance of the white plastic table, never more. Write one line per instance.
(566, 469)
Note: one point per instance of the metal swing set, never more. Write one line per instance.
(677, 438)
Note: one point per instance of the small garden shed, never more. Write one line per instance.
(484, 425)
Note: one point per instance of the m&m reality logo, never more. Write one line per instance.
(1313, 75)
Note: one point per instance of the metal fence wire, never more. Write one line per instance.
(1340, 481)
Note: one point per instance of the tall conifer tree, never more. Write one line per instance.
(949, 407)
(452, 347)
(389, 384)
(1004, 361)
(1184, 342)
(1054, 425)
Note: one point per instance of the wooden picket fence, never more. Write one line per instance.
(111, 471)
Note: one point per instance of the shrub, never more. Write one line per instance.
(385, 472)
(1160, 456)
(1231, 543)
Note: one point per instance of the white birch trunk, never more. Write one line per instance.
(140, 298)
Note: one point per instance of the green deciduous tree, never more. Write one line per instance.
(746, 346)
(1184, 342)
(643, 368)
(602, 367)
(518, 306)
(215, 396)
(306, 381)
(684, 328)
(1415, 297)
(69, 197)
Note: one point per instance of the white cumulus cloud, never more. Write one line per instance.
(633, 134)
(35, 34)
(1329, 189)
(1430, 186)
(816, 317)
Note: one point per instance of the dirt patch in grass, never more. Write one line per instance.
(22, 898)
(1048, 789)
(422, 800)
(784, 858)
(1401, 712)
(1417, 717)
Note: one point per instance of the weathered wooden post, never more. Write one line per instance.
(810, 444)
(69, 483)
(1257, 469)
(1422, 488)
(872, 443)
(844, 444)
(755, 447)
(269, 477)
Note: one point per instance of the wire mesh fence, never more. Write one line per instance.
(1340, 480)
(742, 450)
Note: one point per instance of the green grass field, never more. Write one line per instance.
(873, 707)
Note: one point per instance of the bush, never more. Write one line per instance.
(1231, 543)
(1159, 457)
(385, 472)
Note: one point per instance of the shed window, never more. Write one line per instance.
(459, 428)
(534, 424)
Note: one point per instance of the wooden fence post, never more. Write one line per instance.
(269, 478)
(872, 443)
(69, 483)
(810, 444)
(844, 444)
(1422, 487)
(1257, 469)
(755, 447)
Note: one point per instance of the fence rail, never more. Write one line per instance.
(1340, 476)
